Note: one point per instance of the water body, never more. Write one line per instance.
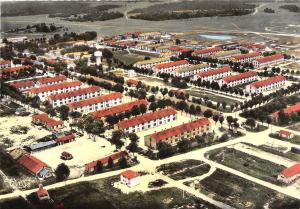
(282, 21)
(217, 37)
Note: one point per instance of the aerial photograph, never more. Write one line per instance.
(150, 104)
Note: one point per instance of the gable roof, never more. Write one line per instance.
(55, 87)
(207, 50)
(130, 174)
(95, 100)
(88, 90)
(15, 69)
(268, 81)
(171, 64)
(270, 58)
(31, 163)
(239, 76)
(52, 79)
(178, 130)
(118, 108)
(291, 171)
(245, 56)
(65, 138)
(23, 84)
(114, 156)
(147, 117)
(215, 71)
(289, 110)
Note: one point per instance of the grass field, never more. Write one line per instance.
(184, 169)
(127, 58)
(248, 164)
(16, 203)
(4, 187)
(295, 140)
(241, 193)
(101, 194)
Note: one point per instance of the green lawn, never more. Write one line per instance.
(295, 140)
(126, 58)
(240, 193)
(100, 194)
(248, 164)
(184, 169)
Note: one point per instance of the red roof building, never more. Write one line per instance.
(132, 82)
(42, 193)
(52, 80)
(288, 110)
(23, 85)
(15, 69)
(206, 52)
(45, 91)
(5, 64)
(96, 103)
(72, 96)
(147, 120)
(49, 123)
(286, 134)
(35, 166)
(65, 139)
(90, 167)
(269, 60)
(290, 174)
(238, 79)
(214, 74)
(170, 66)
(175, 134)
(130, 178)
(118, 109)
(266, 85)
(249, 57)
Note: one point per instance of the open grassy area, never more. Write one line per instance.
(294, 140)
(248, 164)
(184, 169)
(15, 203)
(240, 193)
(101, 194)
(127, 58)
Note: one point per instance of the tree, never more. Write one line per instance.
(99, 167)
(207, 113)
(133, 137)
(64, 112)
(153, 106)
(135, 110)
(183, 145)
(116, 139)
(132, 147)
(224, 104)
(164, 149)
(110, 163)
(251, 122)
(283, 118)
(221, 120)
(268, 120)
(62, 172)
(143, 108)
(51, 111)
(216, 118)
(224, 138)
(123, 163)
(112, 119)
(229, 120)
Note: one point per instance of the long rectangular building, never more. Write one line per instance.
(118, 109)
(249, 57)
(175, 134)
(190, 70)
(206, 52)
(44, 91)
(268, 84)
(288, 110)
(52, 80)
(269, 60)
(74, 96)
(170, 67)
(225, 55)
(146, 121)
(96, 103)
(238, 79)
(23, 85)
(148, 64)
(213, 75)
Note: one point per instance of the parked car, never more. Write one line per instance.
(66, 156)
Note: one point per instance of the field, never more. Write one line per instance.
(241, 193)
(294, 140)
(15, 203)
(184, 169)
(248, 164)
(4, 187)
(101, 194)
(126, 58)
(295, 127)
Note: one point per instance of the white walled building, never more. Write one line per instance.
(130, 178)
(268, 84)
(96, 103)
(206, 52)
(170, 67)
(269, 60)
(74, 96)
(44, 91)
(148, 64)
(51, 80)
(238, 79)
(213, 75)
(147, 120)
(249, 57)
(190, 70)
